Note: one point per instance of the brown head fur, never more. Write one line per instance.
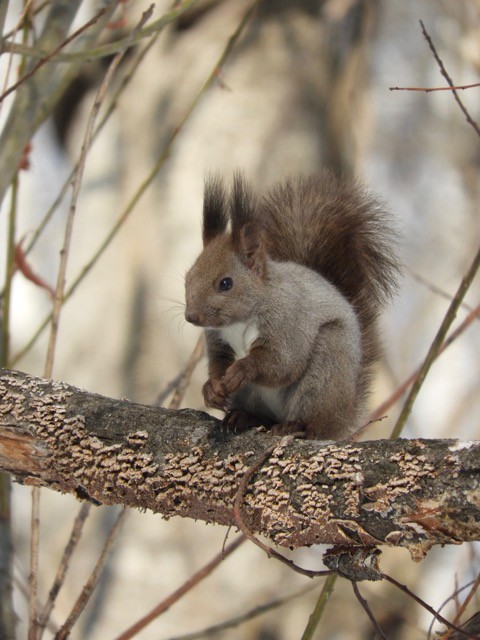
(222, 284)
(321, 221)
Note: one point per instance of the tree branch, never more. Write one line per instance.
(35, 98)
(413, 493)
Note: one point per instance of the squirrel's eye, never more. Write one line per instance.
(225, 284)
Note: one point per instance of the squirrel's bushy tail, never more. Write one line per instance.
(336, 227)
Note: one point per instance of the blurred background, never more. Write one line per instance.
(306, 85)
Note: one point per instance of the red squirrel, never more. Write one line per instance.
(288, 289)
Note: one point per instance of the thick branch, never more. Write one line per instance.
(413, 493)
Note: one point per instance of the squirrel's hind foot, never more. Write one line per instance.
(237, 421)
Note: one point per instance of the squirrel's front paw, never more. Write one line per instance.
(213, 394)
(235, 377)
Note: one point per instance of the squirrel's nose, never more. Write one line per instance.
(193, 318)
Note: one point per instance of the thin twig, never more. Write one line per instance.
(35, 99)
(77, 181)
(17, 26)
(444, 73)
(181, 591)
(237, 512)
(434, 288)
(33, 576)
(7, 611)
(9, 270)
(50, 55)
(35, 507)
(367, 610)
(317, 613)
(64, 632)
(11, 34)
(10, 264)
(462, 607)
(63, 566)
(249, 615)
(168, 389)
(186, 375)
(58, 302)
(108, 112)
(436, 345)
(472, 625)
(106, 49)
(430, 89)
(165, 153)
(3, 15)
(161, 23)
(426, 606)
(400, 390)
(454, 595)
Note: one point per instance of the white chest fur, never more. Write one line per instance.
(240, 336)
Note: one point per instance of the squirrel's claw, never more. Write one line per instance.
(237, 421)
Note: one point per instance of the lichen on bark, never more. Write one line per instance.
(414, 493)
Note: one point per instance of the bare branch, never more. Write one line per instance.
(106, 49)
(197, 577)
(249, 615)
(461, 632)
(52, 54)
(63, 566)
(436, 345)
(317, 613)
(461, 609)
(430, 89)
(401, 389)
(163, 156)
(368, 611)
(64, 632)
(412, 493)
(35, 97)
(445, 74)
(186, 375)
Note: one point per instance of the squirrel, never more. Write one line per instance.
(288, 289)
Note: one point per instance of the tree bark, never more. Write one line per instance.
(413, 493)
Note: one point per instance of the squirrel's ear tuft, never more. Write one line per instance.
(247, 235)
(214, 208)
(242, 206)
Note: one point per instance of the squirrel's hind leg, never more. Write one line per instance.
(290, 428)
(309, 431)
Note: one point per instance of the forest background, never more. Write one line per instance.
(301, 85)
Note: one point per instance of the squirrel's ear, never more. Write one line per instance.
(252, 249)
(214, 208)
